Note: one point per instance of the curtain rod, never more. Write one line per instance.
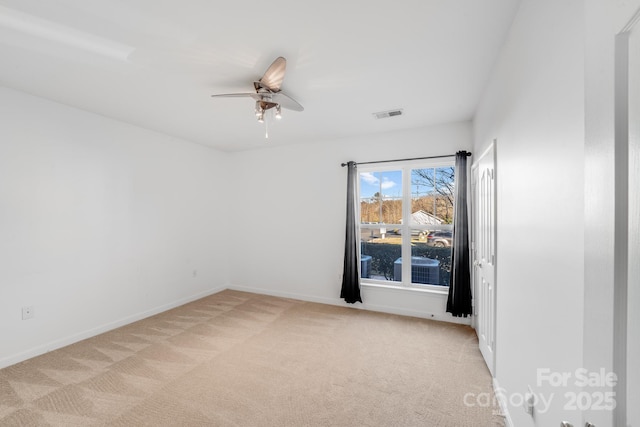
(402, 160)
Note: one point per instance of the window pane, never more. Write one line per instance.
(432, 195)
(431, 257)
(380, 210)
(381, 197)
(431, 205)
(378, 258)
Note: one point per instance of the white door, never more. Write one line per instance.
(484, 254)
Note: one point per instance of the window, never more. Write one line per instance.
(406, 213)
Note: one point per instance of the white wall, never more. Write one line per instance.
(534, 107)
(101, 223)
(289, 218)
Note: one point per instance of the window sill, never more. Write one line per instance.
(444, 291)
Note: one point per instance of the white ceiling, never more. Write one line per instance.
(155, 63)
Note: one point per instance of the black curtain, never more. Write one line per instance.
(459, 300)
(351, 273)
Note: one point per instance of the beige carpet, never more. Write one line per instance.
(241, 359)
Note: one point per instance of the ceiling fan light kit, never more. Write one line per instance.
(268, 95)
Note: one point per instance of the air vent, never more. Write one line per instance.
(390, 113)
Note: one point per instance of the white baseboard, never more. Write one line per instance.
(292, 295)
(59, 343)
(504, 408)
(340, 302)
(416, 313)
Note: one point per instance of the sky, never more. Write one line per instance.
(389, 183)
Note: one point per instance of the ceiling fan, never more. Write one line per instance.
(268, 95)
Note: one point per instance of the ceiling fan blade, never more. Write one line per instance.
(234, 95)
(256, 96)
(286, 101)
(273, 77)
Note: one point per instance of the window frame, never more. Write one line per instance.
(405, 168)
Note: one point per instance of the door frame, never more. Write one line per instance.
(621, 213)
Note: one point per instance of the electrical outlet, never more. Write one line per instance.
(27, 312)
